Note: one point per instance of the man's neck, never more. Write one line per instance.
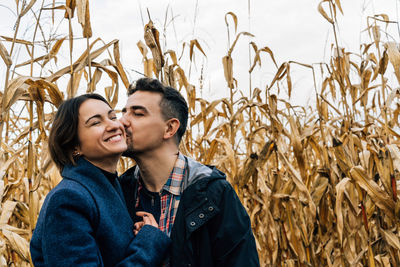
(156, 167)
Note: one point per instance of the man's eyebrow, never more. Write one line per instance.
(137, 107)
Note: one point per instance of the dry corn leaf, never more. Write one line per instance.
(319, 190)
(297, 148)
(323, 13)
(194, 43)
(82, 7)
(257, 58)
(17, 41)
(256, 161)
(71, 5)
(391, 238)
(228, 70)
(395, 153)
(376, 34)
(191, 95)
(269, 51)
(119, 67)
(295, 242)
(56, 96)
(95, 79)
(289, 80)
(6, 165)
(4, 55)
(279, 74)
(30, 160)
(234, 17)
(17, 243)
(229, 153)
(380, 198)
(27, 8)
(211, 151)
(81, 62)
(204, 113)
(173, 56)
(255, 47)
(237, 38)
(340, 191)
(383, 63)
(81, 10)
(7, 210)
(371, 257)
(54, 50)
(73, 83)
(182, 77)
(394, 57)
(143, 49)
(337, 2)
(32, 61)
(296, 178)
(112, 91)
(151, 37)
(14, 91)
(2, 187)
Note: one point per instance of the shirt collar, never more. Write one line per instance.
(175, 180)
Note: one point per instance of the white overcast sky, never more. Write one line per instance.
(292, 29)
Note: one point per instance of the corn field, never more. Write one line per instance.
(320, 183)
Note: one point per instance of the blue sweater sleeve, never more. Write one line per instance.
(67, 231)
(148, 248)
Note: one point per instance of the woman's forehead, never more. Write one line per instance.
(93, 106)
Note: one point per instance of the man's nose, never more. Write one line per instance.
(124, 121)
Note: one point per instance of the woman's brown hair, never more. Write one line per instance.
(63, 138)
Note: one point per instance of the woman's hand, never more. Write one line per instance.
(148, 218)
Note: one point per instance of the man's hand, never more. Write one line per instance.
(148, 218)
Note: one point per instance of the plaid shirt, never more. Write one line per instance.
(170, 194)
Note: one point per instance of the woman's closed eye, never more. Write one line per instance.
(94, 123)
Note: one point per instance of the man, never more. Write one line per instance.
(193, 203)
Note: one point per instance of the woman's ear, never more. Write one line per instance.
(172, 126)
(76, 152)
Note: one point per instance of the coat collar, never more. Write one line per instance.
(91, 177)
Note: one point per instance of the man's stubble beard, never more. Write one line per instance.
(129, 152)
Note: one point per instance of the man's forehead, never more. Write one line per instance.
(143, 99)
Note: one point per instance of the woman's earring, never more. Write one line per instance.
(76, 153)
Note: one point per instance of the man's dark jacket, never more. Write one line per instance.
(211, 227)
(84, 222)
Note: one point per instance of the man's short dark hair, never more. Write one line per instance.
(63, 137)
(172, 104)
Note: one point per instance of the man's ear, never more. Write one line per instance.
(172, 126)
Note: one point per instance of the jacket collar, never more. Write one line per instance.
(91, 177)
(198, 172)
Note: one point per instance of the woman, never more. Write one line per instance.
(83, 220)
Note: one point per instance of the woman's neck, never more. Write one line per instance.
(106, 164)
